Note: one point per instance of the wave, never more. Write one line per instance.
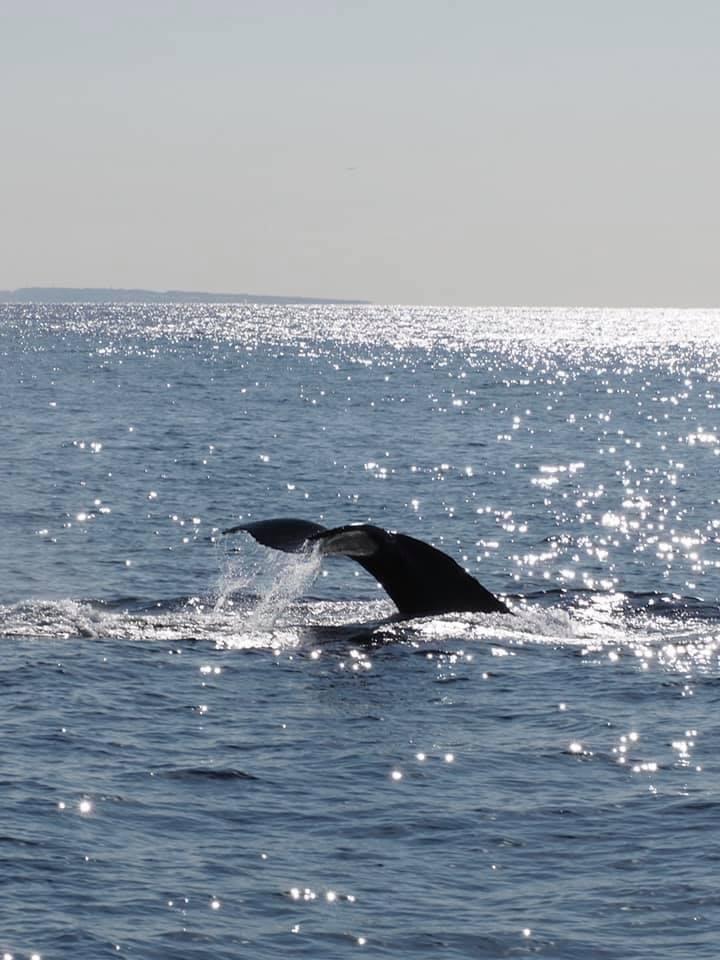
(581, 618)
(204, 773)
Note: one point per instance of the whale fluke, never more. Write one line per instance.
(284, 533)
(420, 579)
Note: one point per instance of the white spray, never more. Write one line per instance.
(289, 576)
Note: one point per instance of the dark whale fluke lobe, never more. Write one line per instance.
(285, 533)
(420, 579)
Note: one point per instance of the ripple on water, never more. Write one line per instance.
(209, 752)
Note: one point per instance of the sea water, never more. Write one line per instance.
(213, 750)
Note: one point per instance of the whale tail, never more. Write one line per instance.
(419, 578)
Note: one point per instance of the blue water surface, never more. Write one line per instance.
(213, 750)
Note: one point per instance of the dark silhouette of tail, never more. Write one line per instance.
(420, 579)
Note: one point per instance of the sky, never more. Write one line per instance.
(449, 152)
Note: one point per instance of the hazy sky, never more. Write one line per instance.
(403, 151)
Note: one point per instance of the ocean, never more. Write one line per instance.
(213, 750)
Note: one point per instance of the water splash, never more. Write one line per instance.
(296, 572)
(237, 575)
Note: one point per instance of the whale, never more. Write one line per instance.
(420, 579)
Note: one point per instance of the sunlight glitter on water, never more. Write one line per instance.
(432, 422)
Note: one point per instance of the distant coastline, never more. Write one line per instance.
(121, 295)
